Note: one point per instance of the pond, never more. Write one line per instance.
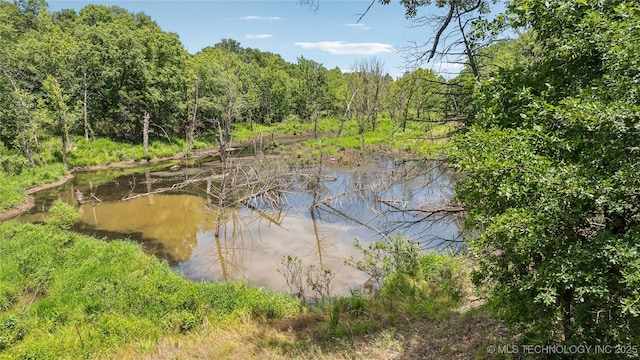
(317, 217)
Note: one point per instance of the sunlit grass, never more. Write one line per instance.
(105, 151)
(13, 186)
(63, 295)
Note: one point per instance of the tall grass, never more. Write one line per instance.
(105, 151)
(13, 184)
(63, 295)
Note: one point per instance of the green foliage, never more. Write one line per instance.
(13, 165)
(62, 215)
(110, 294)
(551, 163)
(105, 151)
(60, 80)
(448, 272)
(382, 258)
(302, 280)
(13, 187)
(411, 283)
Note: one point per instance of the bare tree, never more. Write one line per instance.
(453, 39)
(367, 84)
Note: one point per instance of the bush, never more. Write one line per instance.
(62, 215)
(13, 164)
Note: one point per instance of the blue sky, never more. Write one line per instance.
(330, 35)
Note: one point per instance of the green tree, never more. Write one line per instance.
(275, 96)
(310, 90)
(133, 70)
(551, 161)
(224, 97)
(18, 127)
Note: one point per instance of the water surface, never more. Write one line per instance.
(379, 198)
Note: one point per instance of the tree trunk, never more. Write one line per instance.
(192, 124)
(65, 137)
(63, 128)
(84, 105)
(145, 132)
(315, 124)
(566, 299)
(27, 148)
(36, 141)
(346, 111)
(467, 48)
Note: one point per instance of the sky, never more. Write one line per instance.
(330, 35)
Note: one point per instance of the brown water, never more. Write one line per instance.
(180, 226)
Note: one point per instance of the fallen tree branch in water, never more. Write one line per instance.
(173, 187)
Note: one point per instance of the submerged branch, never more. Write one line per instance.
(173, 187)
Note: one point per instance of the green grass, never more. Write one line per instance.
(424, 139)
(13, 185)
(63, 295)
(105, 151)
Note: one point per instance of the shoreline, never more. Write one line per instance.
(30, 202)
(207, 151)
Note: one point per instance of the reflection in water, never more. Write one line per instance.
(173, 221)
(206, 238)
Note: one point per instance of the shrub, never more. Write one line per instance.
(13, 164)
(62, 215)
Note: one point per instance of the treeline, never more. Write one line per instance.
(107, 73)
(551, 156)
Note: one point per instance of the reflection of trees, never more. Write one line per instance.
(259, 186)
(412, 196)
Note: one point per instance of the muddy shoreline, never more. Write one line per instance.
(29, 203)
(353, 157)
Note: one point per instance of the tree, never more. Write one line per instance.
(367, 85)
(18, 127)
(133, 70)
(551, 161)
(275, 96)
(465, 26)
(223, 98)
(310, 93)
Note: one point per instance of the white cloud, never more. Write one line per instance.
(258, 36)
(253, 17)
(359, 26)
(346, 48)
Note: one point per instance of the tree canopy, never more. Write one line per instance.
(551, 158)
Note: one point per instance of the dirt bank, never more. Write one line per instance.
(28, 204)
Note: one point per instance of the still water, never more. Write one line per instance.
(367, 201)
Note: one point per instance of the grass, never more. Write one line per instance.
(105, 151)
(422, 139)
(13, 185)
(63, 295)
(384, 327)
(17, 175)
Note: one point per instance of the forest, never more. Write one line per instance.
(107, 73)
(542, 126)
